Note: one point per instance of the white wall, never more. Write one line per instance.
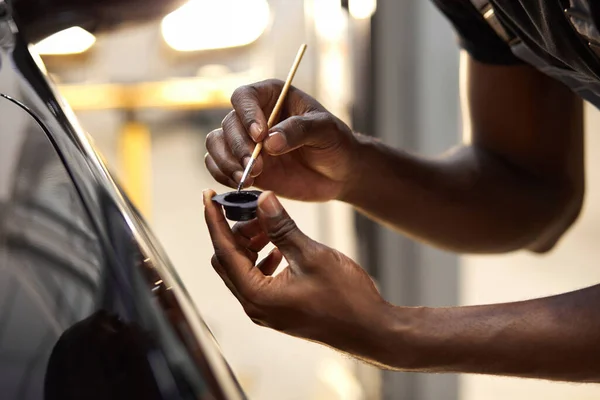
(573, 265)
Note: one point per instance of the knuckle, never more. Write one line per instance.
(228, 119)
(273, 82)
(282, 230)
(254, 303)
(317, 253)
(242, 96)
(336, 256)
(301, 125)
(251, 311)
(212, 137)
(325, 118)
(258, 322)
(337, 125)
(214, 261)
(239, 94)
(221, 253)
(326, 122)
(250, 294)
(244, 100)
(237, 228)
(248, 113)
(271, 89)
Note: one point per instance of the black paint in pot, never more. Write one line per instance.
(239, 206)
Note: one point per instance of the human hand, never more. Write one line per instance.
(306, 156)
(321, 295)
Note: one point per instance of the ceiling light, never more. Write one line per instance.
(362, 9)
(212, 24)
(73, 40)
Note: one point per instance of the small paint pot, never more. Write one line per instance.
(239, 206)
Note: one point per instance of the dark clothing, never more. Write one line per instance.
(474, 33)
(560, 38)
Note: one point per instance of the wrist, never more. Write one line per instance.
(354, 187)
(395, 337)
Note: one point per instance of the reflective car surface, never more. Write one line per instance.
(90, 307)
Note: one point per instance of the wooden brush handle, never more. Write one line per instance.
(281, 99)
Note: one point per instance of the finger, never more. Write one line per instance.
(221, 272)
(250, 235)
(257, 243)
(315, 129)
(247, 246)
(248, 103)
(247, 229)
(216, 173)
(222, 156)
(236, 265)
(269, 264)
(281, 229)
(240, 144)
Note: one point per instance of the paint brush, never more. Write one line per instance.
(274, 114)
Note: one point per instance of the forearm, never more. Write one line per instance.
(553, 338)
(467, 201)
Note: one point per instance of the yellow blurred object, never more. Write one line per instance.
(135, 158)
(94, 96)
(362, 9)
(74, 40)
(195, 93)
(208, 24)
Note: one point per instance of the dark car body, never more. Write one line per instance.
(90, 307)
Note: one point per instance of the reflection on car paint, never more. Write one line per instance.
(90, 307)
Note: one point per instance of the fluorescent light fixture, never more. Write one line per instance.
(73, 40)
(215, 24)
(362, 9)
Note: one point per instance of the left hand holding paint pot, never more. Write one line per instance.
(321, 295)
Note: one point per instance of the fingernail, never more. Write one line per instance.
(276, 142)
(255, 131)
(269, 205)
(246, 161)
(205, 195)
(237, 176)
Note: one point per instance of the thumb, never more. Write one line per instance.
(280, 228)
(318, 129)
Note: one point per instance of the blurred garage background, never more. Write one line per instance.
(149, 94)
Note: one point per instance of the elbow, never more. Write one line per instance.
(559, 213)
